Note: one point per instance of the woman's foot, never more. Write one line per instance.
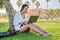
(45, 34)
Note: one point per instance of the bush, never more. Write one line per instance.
(3, 16)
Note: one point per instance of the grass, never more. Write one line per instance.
(52, 27)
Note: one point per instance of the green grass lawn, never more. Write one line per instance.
(52, 27)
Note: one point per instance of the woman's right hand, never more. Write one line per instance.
(20, 23)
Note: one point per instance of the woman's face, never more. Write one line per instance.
(25, 9)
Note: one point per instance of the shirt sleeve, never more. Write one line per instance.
(16, 19)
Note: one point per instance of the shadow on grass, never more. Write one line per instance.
(26, 36)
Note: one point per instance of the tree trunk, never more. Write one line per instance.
(9, 11)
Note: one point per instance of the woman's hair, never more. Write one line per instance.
(23, 6)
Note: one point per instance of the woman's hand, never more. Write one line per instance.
(21, 22)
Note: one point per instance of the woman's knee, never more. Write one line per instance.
(28, 25)
(20, 30)
(24, 30)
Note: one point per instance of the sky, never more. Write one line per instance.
(51, 4)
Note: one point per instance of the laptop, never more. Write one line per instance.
(33, 19)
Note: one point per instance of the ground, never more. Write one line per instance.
(52, 27)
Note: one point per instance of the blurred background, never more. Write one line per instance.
(46, 9)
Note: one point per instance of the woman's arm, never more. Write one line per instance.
(21, 22)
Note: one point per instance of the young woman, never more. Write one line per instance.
(21, 25)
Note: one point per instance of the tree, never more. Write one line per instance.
(1, 4)
(9, 11)
(51, 12)
(37, 4)
(47, 3)
(27, 2)
(58, 0)
(19, 2)
(57, 12)
(33, 1)
(47, 13)
(39, 11)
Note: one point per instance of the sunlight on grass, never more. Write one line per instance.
(52, 27)
(3, 20)
(3, 25)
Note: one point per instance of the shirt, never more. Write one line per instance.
(18, 18)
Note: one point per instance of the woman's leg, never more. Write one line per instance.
(33, 28)
(39, 28)
(25, 27)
